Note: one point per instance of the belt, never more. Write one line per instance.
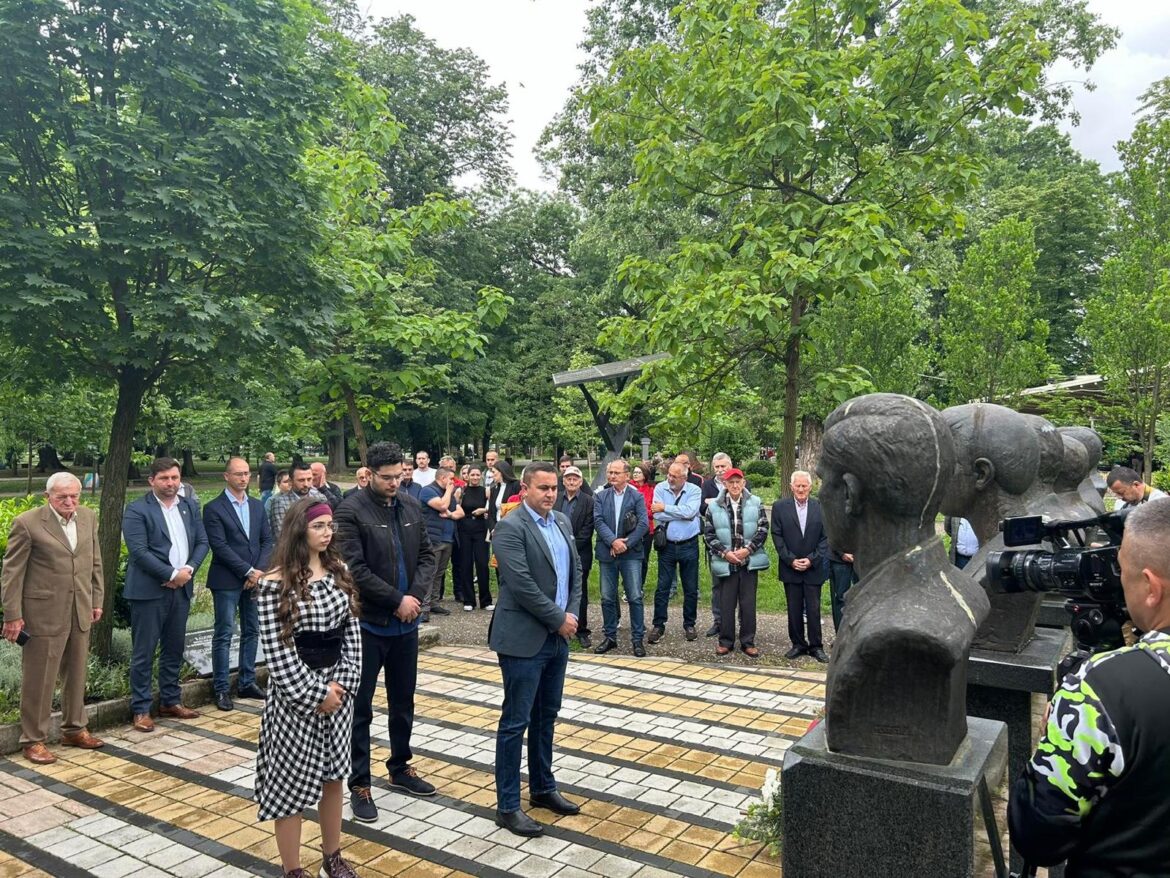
(682, 542)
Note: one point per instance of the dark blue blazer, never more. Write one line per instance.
(145, 533)
(234, 552)
(609, 530)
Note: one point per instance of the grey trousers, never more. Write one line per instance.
(442, 562)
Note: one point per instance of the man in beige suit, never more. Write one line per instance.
(51, 587)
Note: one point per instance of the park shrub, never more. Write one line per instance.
(760, 469)
(1161, 480)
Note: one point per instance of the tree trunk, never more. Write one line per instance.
(131, 389)
(48, 460)
(355, 420)
(188, 470)
(812, 434)
(28, 486)
(1150, 439)
(791, 393)
(336, 443)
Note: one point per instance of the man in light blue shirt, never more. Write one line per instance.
(676, 507)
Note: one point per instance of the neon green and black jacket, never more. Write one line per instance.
(1097, 790)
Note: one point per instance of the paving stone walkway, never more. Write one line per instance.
(662, 755)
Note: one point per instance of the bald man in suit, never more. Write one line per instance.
(52, 591)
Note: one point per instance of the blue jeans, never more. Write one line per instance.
(611, 613)
(532, 698)
(226, 602)
(686, 556)
(157, 625)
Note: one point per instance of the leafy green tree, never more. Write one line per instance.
(1127, 324)
(827, 133)
(454, 126)
(155, 214)
(993, 336)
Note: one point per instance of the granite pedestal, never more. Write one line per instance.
(1000, 687)
(848, 815)
(1052, 613)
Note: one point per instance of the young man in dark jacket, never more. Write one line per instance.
(383, 538)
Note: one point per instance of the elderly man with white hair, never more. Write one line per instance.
(52, 592)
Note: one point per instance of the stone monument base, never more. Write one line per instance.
(847, 815)
(1052, 613)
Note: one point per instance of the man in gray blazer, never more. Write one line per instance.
(167, 542)
(540, 579)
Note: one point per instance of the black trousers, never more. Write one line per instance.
(585, 552)
(474, 554)
(398, 656)
(738, 590)
(804, 600)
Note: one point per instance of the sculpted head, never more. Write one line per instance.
(996, 449)
(1075, 467)
(1051, 449)
(1089, 438)
(886, 458)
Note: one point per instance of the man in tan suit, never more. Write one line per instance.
(51, 587)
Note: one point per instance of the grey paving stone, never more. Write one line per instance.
(95, 856)
(199, 866)
(469, 847)
(500, 857)
(613, 866)
(544, 846)
(116, 868)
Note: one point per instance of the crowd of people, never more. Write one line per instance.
(334, 584)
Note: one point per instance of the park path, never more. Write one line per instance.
(663, 756)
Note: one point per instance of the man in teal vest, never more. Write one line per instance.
(735, 529)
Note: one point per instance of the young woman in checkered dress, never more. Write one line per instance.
(312, 643)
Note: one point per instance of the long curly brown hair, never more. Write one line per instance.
(291, 559)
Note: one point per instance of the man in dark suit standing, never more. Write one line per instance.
(241, 544)
(620, 519)
(799, 534)
(540, 583)
(577, 506)
(167, 543)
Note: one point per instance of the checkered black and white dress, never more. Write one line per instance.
(299, 748)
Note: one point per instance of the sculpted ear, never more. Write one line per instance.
(984, 471)
(853, 494)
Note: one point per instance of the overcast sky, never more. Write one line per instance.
(531, 46)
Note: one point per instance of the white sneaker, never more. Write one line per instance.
(467, 608)
(490, 607)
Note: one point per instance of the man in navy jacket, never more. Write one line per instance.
(241, 544)
(167, 543)
(798, 531)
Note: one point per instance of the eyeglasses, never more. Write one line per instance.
(389, 478)
(322, 526)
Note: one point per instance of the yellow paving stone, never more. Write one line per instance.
(684, 852)
(363, 850)
(245, 837)
(630, 817)
(759, 869)
(650, 842)
(724, 864)
(577, 823)
(601, 810)
(657, 760)
(483, 798)
(614, 832)
(702, 836)
(193, 818)
(667, 826)
(425, 869)
(458, 790)
(168, 811)
(265, 850)
(739, 847)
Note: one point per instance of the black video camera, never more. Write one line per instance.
(1081, 566)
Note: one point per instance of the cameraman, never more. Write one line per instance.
(1097, 790)
(1129, 487)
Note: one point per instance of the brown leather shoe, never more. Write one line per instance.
(143, 722)
(39, 754)
(178, 711)
(83, 739)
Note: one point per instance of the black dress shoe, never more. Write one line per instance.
(519, 823)
(224, 701)
(713, 631)
(819, 654)
(555, 802)
(656, 634)
(639, 649)
(605, 646)
(691, 633)
(251, 691)
(440, 610)
(585, 640)
(796, 652)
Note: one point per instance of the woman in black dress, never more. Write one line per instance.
(472, 533)
(308, 612)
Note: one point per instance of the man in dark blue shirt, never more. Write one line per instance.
(440, 502)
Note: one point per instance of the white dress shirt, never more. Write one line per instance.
(177, 530)
(70, 528)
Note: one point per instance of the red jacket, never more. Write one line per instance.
(647, 491)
